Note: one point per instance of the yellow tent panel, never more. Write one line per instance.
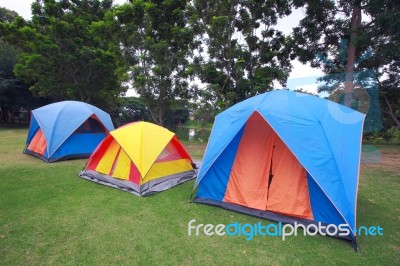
(167, 168)
(122, 166)
(108, 159)
(143, 142)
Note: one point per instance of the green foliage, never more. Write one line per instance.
(394, 133)
(132, 109)
(178, 113)
(14, 94)
(8, 58)
(7, 15)
(135, 109)
(391, 135)
(385, 136)
(192, 134)
(242, 54)
(204, 113)
(64, 55)
(156, 40)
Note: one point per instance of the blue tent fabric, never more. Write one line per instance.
(58, 121)
(221, 169)
(324, 136)
(33, 127)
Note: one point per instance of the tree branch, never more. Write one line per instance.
(368, 24)
(390, 113)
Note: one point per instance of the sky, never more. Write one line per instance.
(302, 76)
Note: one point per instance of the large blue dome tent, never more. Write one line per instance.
(287, 157)
(66, 130)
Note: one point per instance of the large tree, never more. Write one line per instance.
(353, 41)
(14, 93)
(243, 53)
(156, 38)
(64, 56)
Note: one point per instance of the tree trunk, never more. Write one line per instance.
(153, 117)
(391, 113)
(160, 117)
(28, 115)
(2, 120)
(351, 54)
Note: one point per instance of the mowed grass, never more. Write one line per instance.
(48, 215)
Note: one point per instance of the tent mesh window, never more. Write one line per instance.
(170, 153)
(91, 125)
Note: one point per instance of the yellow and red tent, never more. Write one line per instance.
(141, 158)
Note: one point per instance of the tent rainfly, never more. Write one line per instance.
(140, 158)
(287, 157)
(66, 130)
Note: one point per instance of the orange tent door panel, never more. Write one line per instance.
(248, 182)
(288, 190)
(38, 143)
(262, 155)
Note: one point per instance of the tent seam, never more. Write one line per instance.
(254, 110)
(62, 142)
(142, 149)
(330, 149)
(216, 157)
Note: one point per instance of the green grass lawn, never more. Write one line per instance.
(48, 215)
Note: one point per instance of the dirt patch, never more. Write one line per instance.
(383, 157)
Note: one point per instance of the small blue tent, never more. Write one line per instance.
(285, 156)
(66, 130)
